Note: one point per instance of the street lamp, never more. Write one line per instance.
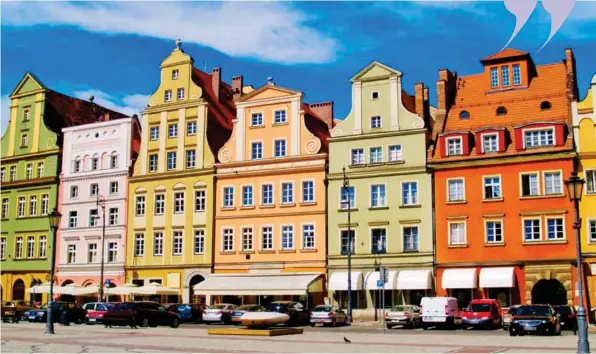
(54, 219)
(346, 189)
(575, 186)
(101, 202)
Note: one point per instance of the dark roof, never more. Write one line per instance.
(316, 126)
(223, 109)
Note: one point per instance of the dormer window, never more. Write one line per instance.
(168, 95)
(490, 142)
(26, 115)
(539, 137)
(501, 111)
(375, 95)
(175, 74)
(464, 115)
(375, 122)
(545, 105)
(516, 74)
(494, 77)
(505, 75)
(454, 146)
(180, 94)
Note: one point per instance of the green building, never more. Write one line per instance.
(381, 145)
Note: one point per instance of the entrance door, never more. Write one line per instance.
(18, 290)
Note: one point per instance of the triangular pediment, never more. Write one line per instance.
(268, 91)
(29, 83)
(375, 70)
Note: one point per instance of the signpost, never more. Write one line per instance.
(381, 286)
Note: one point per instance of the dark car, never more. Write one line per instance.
(241, 310)
(568, 317)
(188, 312)
(540, 319)
(63, 312)
(13, 310)
(298, 315)
(141, 313)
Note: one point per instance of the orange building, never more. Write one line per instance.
(269, 233)
(503, 150)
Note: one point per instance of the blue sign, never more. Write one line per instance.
(107, 281)
(380, 283)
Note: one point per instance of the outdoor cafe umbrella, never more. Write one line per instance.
(124, 289)
(77, 290)
(44, 289)
(154, 289)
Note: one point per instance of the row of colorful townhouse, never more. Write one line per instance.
(228, 193)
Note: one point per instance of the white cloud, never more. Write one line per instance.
(129, 105)
(268, 31)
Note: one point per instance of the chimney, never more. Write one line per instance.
(445, 93)
(441, 95)
(419, 99)
(426, 94)
(237, 84)
(324, 111)
(571, 76)
(216, 81)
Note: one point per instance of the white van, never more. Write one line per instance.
(440, 311)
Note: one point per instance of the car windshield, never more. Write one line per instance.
(401, 308)
(512, 310)
(479, 308)
(533, 311)
(217, 307)
(322, 309)
(104, 307)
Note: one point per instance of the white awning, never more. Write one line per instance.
(462, 278)
(371, 280)
(260, 284)
(339, 281)
(415, 279)
(501, 277)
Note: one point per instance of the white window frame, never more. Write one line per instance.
(200, 202)
(21, 207)
(555, 217)
(159, 206)
(313, 195)
(179, 201)
(517, 78)
(168, 96)
(224, 196)
(73, 217)
(544, 184)
(191, 128)
(223, 239)
(386, 239)
(361, 157)
(113, 216)
(254, 144)
(403, 236)
(91, 253)
(33, 205)
(158, 241)
(489, 135)
(486, 229)
(589, 235)
(342, 201)
(505, 78)
(139, 250)
(282, 191)
(74, 192)
(590, 177)
(154, 133)
(454, 179)
(247, 230)
(177, 237)
(175, 74)
(140, 205)
(494, 77)
(271, 237)
(246, 187)
(293, 236)
(43, 244)
(260, 120)
(172, 130)
(381, 199)
(285, 148)
(523, 222)
(410, 199)
(465, 232)
(153, 167)
(498, 185)
(305, 246)
(191, 158)
(354, 241)
(398, 153)
(530, 130)
(376, 156)
(71, 253)
(521, 185)
(180, 93)
(285, 116)
(172, 163)
(114, 187)
(198, 246)
(461, 146)
(272, 199)
(376, 122)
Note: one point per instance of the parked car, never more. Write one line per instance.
(405, 315)
(188, 312)
(141, 313)
(63, 312)
(218, 313)
(509, 316)
(13, 310)
(298, 315)
(96, 311)
(440, 311)
(535, 319)
(568, 317)
(482, 313)
(328, 315)
(241, 310)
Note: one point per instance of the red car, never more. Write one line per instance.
(95, 315)
(485, 313)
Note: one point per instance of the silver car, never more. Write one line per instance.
(405, 315)
(327, 315)
(218, 313)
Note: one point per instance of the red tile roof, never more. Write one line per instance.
(505, 54)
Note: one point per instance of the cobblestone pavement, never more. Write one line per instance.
(30, 338)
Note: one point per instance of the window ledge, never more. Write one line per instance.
(542, 196)
(280, 124)
(287, 205)
(411, 251)
(308, 250)
(542, 242)
(465, 245)
(410, 206)
(247, 207)
(308, 203)
(256, 126)
(378, 252)
(247, 252)
(457, 202)
(492, 200)
(287, 251)
(358, 165)
(267, 251)
(346, 210)
(227, 252)
(590, 194)
(228, 208)
(494, 244)
(267, 206)
(373, 164)
(396, 162)
(379, 208)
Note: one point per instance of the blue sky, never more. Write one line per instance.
(113, 50)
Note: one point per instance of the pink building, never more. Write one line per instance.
(96, 161)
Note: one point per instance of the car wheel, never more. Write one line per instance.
(145, 322)
(175, 323)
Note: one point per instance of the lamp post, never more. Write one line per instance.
(575, 186)
(346, 189)
(54, 219)
(101, 202)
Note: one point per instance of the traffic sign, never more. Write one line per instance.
(107, 281)
(380, 283)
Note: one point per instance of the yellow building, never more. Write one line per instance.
(584, 126)
(171, 195)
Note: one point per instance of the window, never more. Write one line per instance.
(24, 140)
(552, 183)
(71, 256)
(494, 77)
(457, 233)
(409, 193)
(93, 189)
(228, 197)
(177, 243)
(40, 169)
(29, 174)
(228, 240)
(153, 163)
(33, 205)
(180, 94)
(308, 191)
(494, 232)
(92, 253)
(25, 115)
(190, 158)
(30, 246)
(199, 201)
(490, 143)
(112, 252)
(168, 95)
(592, 230)
(45, 204)
(199, 242)
(3, 248)
(267, 191)
(347, 194)
(139, 245)
(5, 203)
(171, 160)
(140, 206)
(247, 196)
(93, 217)
(532, 230)
(375, 122)
(287, 237)
(492, 187)
(247, 239)
(529, 183)
(395, 153)
(377, 195)
(175, 74)
(95, 163)
(516, 74)
(410, 239)
(375, 95)
(113, 187)
(72, 218)
(376, 155)
(191, 128)
(19, 248)
(357, 156)
(74, 192)
(43, 241)
(3, 174)
(266, 238)
(13, 173)
(347, 242)
(78, 165)
(308, 236)
(21, 207)
(555, 229)
(379, 240)
(280, 148)
(454, 147)
(537, 138)
(178, 203)
(591, 181)
(158, 244)
(280, 117)
(154, 133)
(464, 115)
(456, 190)
(172, 130)
(545, 105)
(257, 120)
(501, 111)
(257, 151)
(505, 75)
(113, 216)
(287, 190)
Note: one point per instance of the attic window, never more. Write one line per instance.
(501, 111)
(464, 115)
(545, 105)
(175, 74)
(375, 95)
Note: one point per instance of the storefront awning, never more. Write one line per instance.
(339, 281)
(260, 284)
(371, 280)
(414, 279)
(462, 278)
(500, 277)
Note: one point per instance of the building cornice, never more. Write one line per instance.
(501, 160)
(92, 176)
(30, 182)
(10, 159)
(378, 172)
(170, 106)
(296, 211)
(159, 176)
(375, 135)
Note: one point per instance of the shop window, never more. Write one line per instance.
(377, 296)
(502, 295)
(463, 296)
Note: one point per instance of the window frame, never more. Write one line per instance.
(403, 234)
(285, 116)
(153, 168)
(177, 237)
(384, 237)
(399, 150)
(447, 181)
(494, 77)
(383, 188)
(362, 157)
(263, 194)
(271, 237)
(349, 247)
(461, 145)
(505, 78)
(521, 184)
(193, 131)
(303, 230)
(159, 203)
(282, 235)
(516, 73)
(198, 239)
(589, 222)
(540, 229)
(179, 202)
(285, 148)
(172, 130)
(260, 119)
(499, 185)
(245, 188)
(489, 135)
(465, 232)
(282, 184)
(247, 230)
(171, 166)
(224, 196)
(486, 229)
(253, 144)
(351, 192)
(370, 154)
(591, 172)
(563, 225)
(154, 129)
(376, 122)
(303, 195)
(231, 240)
(139, 249)
(542, 129)
(200, 202)
(417, 201)
(561, 182)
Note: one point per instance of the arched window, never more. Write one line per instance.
(501, 111)
(95, 163)
(545, 105)
(464, 115)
